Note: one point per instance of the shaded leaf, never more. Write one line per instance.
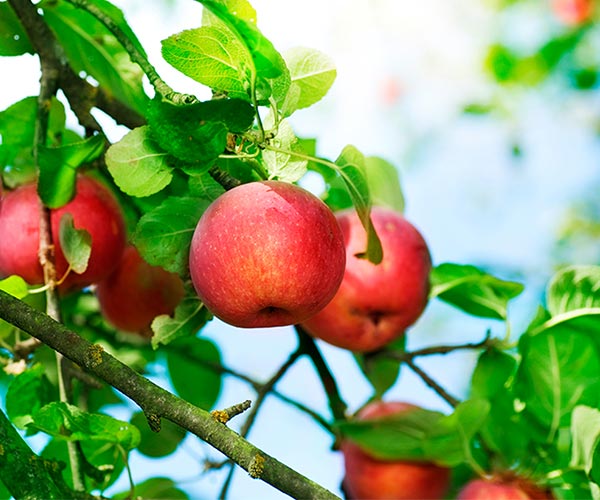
(189, 360)
(91, 48)
(161, 444)
(13, 39)
(158, 488)
(189, 317)
(163, 235)
(493, 371)
(27, 393)
(58, 168)
(381, 371)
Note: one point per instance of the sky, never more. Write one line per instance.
(405, 71)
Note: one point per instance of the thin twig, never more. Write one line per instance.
(336, 403)
(262, 394)
(136, 55)
(451, 400)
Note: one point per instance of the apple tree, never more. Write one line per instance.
(115, 256)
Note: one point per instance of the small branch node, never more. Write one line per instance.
(153, 420)
(256, 466)
(93, 356)
(225, 415)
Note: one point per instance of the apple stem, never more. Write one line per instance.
(227, 181)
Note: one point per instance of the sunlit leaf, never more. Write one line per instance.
(67, 422)
(76, 244)
(138, 165)
(384, 184)
(213, 56)
(312, 74)
(473, 290)
(279, 164)
(15, 285)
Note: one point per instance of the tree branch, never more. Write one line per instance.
(157, 401)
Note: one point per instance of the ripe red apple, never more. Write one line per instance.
(93, 208)
(367, 477)
(573, 12)
(375, 304)
(503, 488)
(266, 254)
(136, 292)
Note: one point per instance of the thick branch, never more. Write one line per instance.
(82, 95)
(156, 401)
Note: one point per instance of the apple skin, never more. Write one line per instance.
(266, 254)
(93, 208)
(503, 488)
(367, 477)
(376, 303)
(136, 292)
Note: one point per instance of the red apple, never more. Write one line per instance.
(94, 208)
(266, 254)
(573, 12)
(136, 292)
(503, 488)
(367, 477)
(375, 304)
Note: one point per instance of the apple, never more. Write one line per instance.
(266, 254)
(136, 292)
(573, 12)
(503, 488)
(367, 477)
(375, 304)
(94, 208)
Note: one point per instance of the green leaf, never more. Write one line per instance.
(279, 164)
(585, 432)
(384, 184)
(394, 437)
(27, 393)
(574, 288)
(138, 165)
(351, 168)
(13, 39)
(450, 441)
(202, 185)
(76, 244)
(58, 168)
(189, 317)
(15, 285)
(193, 380)
(268, 63)
(492, 373)
(158, 488)
(197, 132)
(213, 56)
(91, 48)
(163, 235)
(161, 444)
(558, 371)
(473, 290)
(501, 62)
(67, 422)
(381, 371)
(312, 74)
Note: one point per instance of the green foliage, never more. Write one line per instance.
(13, 39)
(532, 407)
(473, 290)
(91, 48)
